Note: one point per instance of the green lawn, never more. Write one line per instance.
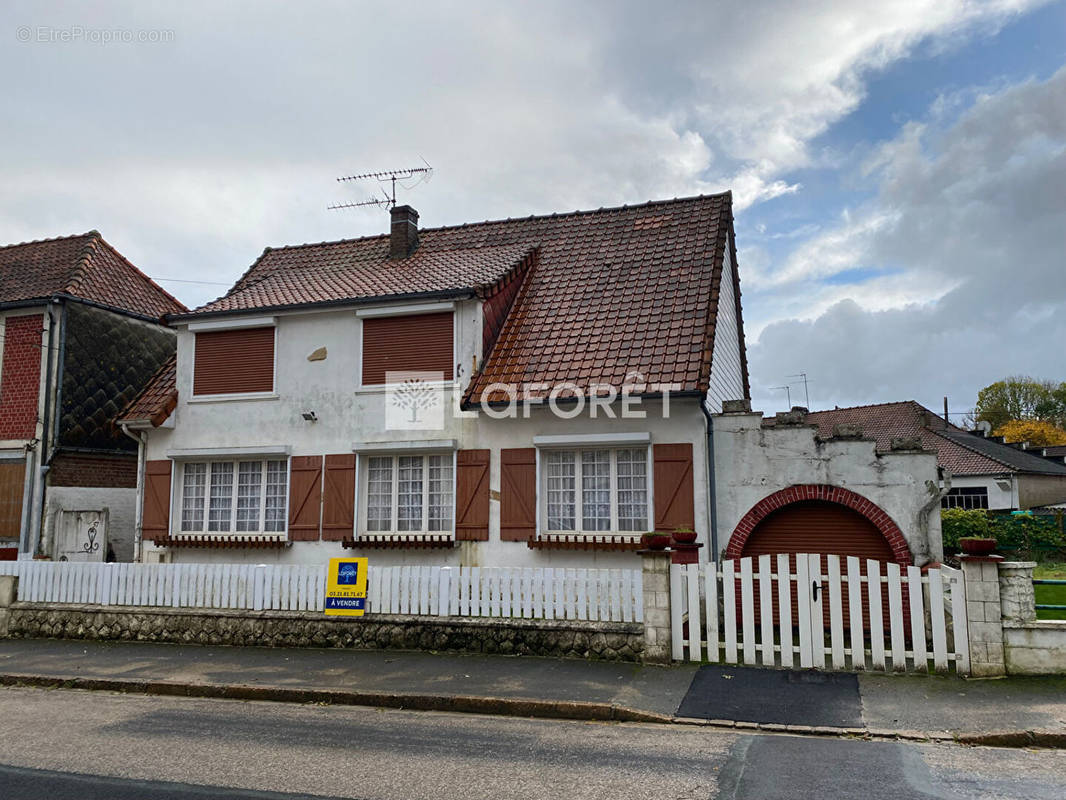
(1050, 595)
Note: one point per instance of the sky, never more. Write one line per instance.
(898, 168)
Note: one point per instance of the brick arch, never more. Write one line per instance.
(831, 494)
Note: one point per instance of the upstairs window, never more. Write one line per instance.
(596, 490)
(234, 361)
(234, 496)
(408, 343)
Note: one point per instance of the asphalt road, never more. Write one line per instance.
(74, 744)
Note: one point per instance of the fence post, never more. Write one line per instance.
(9, 589)
(984, 615)
(1017, 598)
(655, 569)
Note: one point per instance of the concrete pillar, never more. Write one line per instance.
(8, 595)
(1017, 599)
(984, 615)
(655, 566)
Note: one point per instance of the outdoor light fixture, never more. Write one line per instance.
(310, 416)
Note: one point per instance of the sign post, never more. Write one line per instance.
(346, 587)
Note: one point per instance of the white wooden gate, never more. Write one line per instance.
(761, 612)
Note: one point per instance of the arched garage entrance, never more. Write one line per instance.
(819, 519)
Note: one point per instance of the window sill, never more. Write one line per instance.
(401, 541)
(230, 398)
(224, 540)
(586, 541)
(384, 387)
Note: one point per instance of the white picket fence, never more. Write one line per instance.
(608, 595)
(717, 603)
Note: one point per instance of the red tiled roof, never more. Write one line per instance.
(958, 451)
(614, 292)
(83, 266)
(156, 400)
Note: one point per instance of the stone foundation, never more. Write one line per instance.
(611, 641)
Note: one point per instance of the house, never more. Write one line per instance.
(81, 330)
(985, 472)
(530, 391)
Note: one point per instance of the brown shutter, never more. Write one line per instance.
(338, 504)
(155, 515)
(12, 482)
(416, 343)
(305, 498)
(674, 501)
(472, 495)
(234, 361)
(518, 494)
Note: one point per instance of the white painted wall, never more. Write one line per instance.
(727, 374)
(347, 415)
(120, 504)
(752, 462)
(1002, 489)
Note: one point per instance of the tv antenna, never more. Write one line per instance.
(806, 394)
(788, 394)
(388, 179)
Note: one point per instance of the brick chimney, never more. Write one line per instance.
(404, 235)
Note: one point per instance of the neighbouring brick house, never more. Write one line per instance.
(985, 471)
(269, 437)
(82, 331)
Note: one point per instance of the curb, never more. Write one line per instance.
(575, 710)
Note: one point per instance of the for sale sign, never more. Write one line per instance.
(346, 587)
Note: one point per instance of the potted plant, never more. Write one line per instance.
(655, 540)
(684, 536)
(977, 545)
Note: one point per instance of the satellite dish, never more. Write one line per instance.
(985, 427)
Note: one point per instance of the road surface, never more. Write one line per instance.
(75, 744)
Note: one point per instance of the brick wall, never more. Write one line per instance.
(82, 469)
(20, 380)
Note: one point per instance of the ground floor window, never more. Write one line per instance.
(595, 490)
(409, 493)
(234, 496)
(968, 497)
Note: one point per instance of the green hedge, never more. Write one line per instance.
(1013, 533)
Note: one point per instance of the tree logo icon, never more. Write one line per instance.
(414, 401)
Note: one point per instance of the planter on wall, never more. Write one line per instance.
(977, 546)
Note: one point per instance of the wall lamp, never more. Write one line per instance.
(310, 416)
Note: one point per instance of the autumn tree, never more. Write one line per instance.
(1021, 397)
(1037, 432)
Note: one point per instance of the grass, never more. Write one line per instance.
(1050, 595)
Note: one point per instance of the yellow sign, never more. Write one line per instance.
(346, 587)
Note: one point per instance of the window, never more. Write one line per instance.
(409, 493)
(234, 361)
(234, 496)
(410, 343)
(968, 497)
(596, 490)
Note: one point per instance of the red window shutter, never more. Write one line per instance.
(12, 482)
(518, 494)
(155, 513)
(305, 498)
(231, 362)
(338, 503)
(674, 499)
(416, 343)
(472, 495)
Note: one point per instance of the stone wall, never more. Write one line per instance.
(613, 641)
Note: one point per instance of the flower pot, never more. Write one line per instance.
(656, 541)
(685, 537)
(976, 546)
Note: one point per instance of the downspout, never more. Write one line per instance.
(141, 438)
(46, 452)
(712, 510)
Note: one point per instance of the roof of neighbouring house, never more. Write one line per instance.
(612, 293)
(84, 267)
(958, 450)
(156, 400)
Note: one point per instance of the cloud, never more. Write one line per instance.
(975, 214)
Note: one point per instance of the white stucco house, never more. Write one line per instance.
(564, 366)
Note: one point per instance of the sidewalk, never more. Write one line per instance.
(914, 707)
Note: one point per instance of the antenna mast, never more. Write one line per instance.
(806, 394)
(389, 178)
